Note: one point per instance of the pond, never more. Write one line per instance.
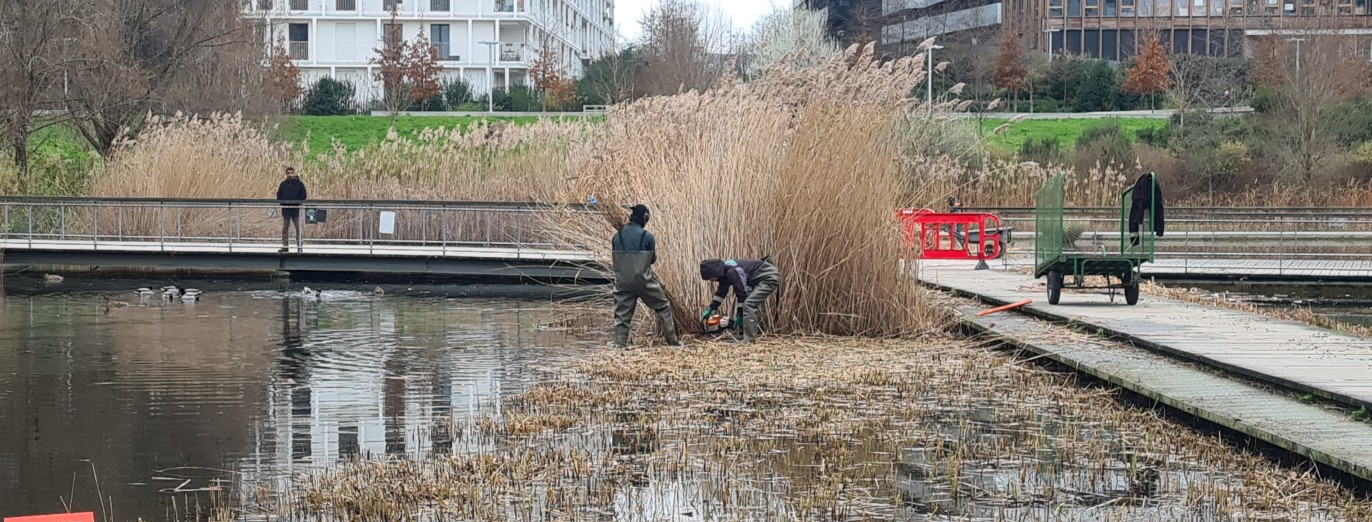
(163, 399)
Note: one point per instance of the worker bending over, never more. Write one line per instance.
(752, 281)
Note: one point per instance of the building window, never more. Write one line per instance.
(441, 35)
(300, 41)
(391, 4)
(392, 34)
(441, 6)
(346, 5)
(300, 5)
(264, 5)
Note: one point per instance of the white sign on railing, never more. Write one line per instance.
(387, 225)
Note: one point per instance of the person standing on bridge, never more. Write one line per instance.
(634, 253)
(290, 194)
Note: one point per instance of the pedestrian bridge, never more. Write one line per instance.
(486, 241)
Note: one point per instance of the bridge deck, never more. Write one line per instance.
(378, 250)
(495, 262)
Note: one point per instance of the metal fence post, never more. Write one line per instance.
(62, 221)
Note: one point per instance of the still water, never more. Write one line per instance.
(158, 399)
(1350, 304)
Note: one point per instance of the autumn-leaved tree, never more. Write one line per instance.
(282, 78)
(408, 71)
(1009, 73)
(1151, 73)
(550, 77)
(423, 71)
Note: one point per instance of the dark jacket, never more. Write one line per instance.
(635, 252)
(735, 274)
(291, 189)
(634, 238)
(1147, 197)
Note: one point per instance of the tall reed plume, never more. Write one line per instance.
(803, 166)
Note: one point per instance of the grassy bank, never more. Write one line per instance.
(1066, 131)
(355, 132)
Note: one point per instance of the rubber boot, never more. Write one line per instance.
(668, 327)
(750, 327)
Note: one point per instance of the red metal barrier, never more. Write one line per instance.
(945, 235)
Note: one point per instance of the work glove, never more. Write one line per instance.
(738, 321)
(708, 312)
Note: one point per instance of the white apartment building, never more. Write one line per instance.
(480, 41)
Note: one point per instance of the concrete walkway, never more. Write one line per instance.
(1282, 270)
(1294, 355)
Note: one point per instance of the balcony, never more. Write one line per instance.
(300, 50)
(509, 6)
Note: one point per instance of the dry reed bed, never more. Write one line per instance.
(803, 166)
(817, 429)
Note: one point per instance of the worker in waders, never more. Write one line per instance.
(635, 252)
(751, 280)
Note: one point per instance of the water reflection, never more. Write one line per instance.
(245, 386)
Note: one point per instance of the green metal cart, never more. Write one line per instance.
(1057, 258)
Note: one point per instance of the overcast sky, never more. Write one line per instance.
(742, 12)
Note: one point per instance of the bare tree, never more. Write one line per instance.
(1307, 85)
(610, 79)
(685, 47)
(864, 23)
(549, 70)
(797, 36)
(135, 57)
(32, 68)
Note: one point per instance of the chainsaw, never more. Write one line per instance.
(715, 324)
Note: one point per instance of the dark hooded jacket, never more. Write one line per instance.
(736, 275)
(291, 189)
(1147, 197)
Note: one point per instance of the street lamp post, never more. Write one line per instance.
(490, 76)
(1050, 32)
(1298, 53)
(929, 77)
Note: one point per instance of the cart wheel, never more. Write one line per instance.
(1131, 294)
(1054, 287)
(992, 252)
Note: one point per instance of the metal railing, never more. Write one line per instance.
(1228, 240)
(231, 224)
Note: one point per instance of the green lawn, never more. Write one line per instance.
(356, 132)
(1065, 130)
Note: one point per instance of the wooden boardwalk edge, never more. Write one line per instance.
(1323, 436)
(1125, 336)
